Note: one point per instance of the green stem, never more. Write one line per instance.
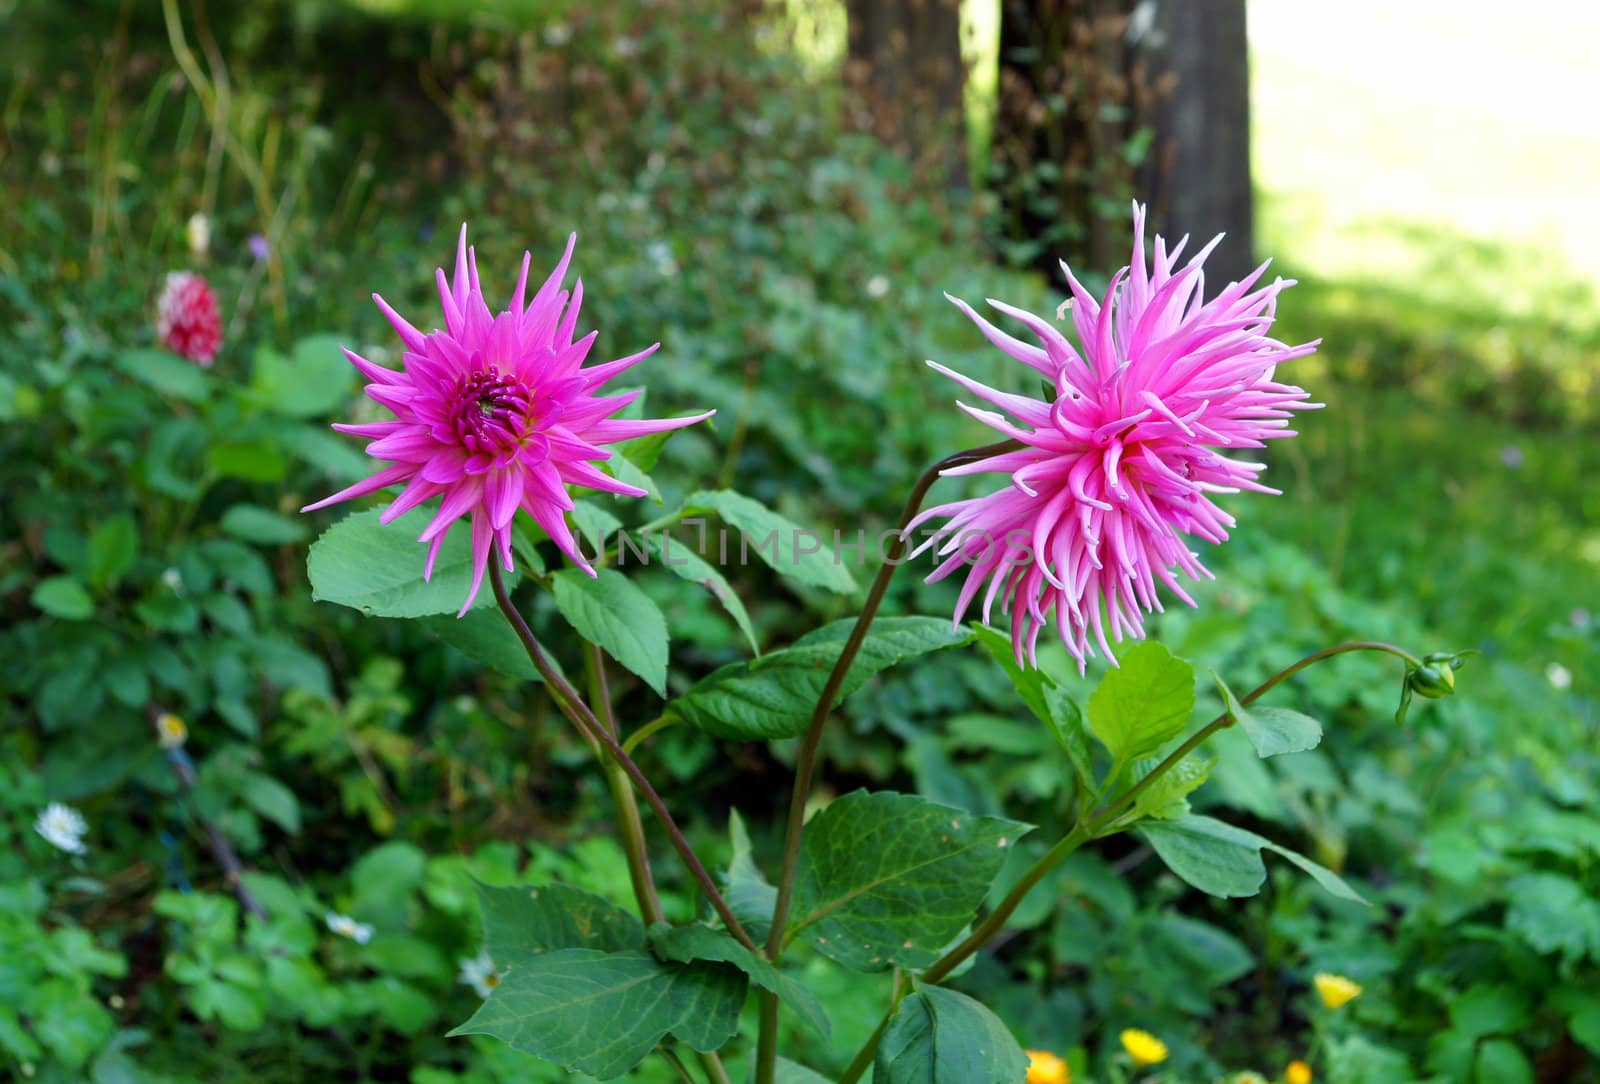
(632, 826)
(1083, 832)
(805, 761)
(649, 729)
(572, 705)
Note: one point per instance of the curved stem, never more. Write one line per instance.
(1086, 831)
(805, 761)
(634, 740)
(573, 707)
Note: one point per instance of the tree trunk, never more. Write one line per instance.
(905, 61)
(1200, 183)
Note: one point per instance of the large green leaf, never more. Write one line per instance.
(113, 548)
(1273, 731)
(685, 944)
(685, 564)
(63, 597)
(608, 609)
(940, 1036)
(377, 568)
(1142, 703)
(521, 921)
(888, 880)
(602, 1012)
(773, 696)
(1223, 860)
(781, 543)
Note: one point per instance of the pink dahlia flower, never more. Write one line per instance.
(494, 413)
(1120, 464)
(188, 321)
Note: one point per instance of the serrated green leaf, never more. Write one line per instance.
(377, 568)
(63, 597)
(262, 525)
(1142, 703)
(687, 565)
(594, 523)
(601, 1013)
(749, 895)
(940, 1036)
(888, 880)
(685, 944)
(1165, 799)
(522, 921)
(314, 380)
(773, 696)
(761, 527)
(608, 609)
(1273, 731)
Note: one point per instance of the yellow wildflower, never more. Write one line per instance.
(1143, 1048)
(170, 731)
(1336, 990)
(1045, 1068)
(1298, 1072)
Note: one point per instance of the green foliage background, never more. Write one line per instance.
(151, 559)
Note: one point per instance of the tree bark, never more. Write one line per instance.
(905, 61)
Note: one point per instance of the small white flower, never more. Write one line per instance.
(174, 580)
(1558, 676)
(624, 46)
(62, 827)
(199, 234)
(171, 732)
(557, 34)
(655, 163)
(345, 926)
(480, 973)
(877, 286)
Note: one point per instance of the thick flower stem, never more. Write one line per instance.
(572, 705)
(1091, 829)
(805, 761)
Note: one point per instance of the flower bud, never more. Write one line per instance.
(1434, 682)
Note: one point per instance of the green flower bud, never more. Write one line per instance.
(1434, 681)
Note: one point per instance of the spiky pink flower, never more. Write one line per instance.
(188, 321)
(495, 413)
(1120, 464)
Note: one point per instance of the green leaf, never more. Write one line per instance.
(601, 1013)
(790, 1072)
(782, 544)
(1143, 703)
(377, 568)
(113, 548)
(685, 944)
(520, 921)
(1047, 700)
(888, 880)
(749, 895)
(687, 565)
(63, 597)
(1553, 914)
(1214, 857)
(1166, 798)
(1223, 860)
(940, 1036)
(773, 696)
(261, 525)
(314, 380)
(609, 610)
(1489, 1009)
(1501, 1062)
(250, 460)
(272, 800)
(1273, 731)
(594, 523)
(166, 373)
(1584, 1023)
(485, 636)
